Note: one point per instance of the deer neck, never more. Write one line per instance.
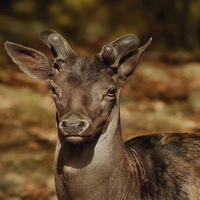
(93, 162)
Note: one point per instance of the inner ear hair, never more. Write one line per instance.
(123, 59)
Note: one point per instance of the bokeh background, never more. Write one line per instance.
(163, 95)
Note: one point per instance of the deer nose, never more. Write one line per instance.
(73, 128)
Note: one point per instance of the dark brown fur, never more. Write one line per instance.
(170, 163)
(91, 160)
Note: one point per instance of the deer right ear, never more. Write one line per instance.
(34, 63)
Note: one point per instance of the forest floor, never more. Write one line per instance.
(162, 96)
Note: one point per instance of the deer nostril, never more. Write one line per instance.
(73, 127)
(81, 124)
(64, 124)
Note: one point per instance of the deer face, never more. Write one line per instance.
(85, 90)
(84, 94)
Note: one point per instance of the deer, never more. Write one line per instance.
(92, 162)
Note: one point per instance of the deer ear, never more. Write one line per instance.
(32, 62)
(123, 54)
(129, 62)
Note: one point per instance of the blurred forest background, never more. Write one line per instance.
(162, 96)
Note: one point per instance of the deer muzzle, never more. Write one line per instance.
(70, 128)
(74, 128)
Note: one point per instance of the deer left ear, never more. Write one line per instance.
(123, 54)
(129, 62)
(34, 63)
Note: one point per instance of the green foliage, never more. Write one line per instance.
(173, 24)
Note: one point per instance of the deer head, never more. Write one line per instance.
(85, 90)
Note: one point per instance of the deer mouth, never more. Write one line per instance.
(77, 138)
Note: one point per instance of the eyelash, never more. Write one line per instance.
(52, 89)
(111, 92)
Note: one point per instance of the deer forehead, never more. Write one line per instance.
(84, 72)
(100, 83)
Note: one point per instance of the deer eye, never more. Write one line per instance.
(52, 89)
(111, 92)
